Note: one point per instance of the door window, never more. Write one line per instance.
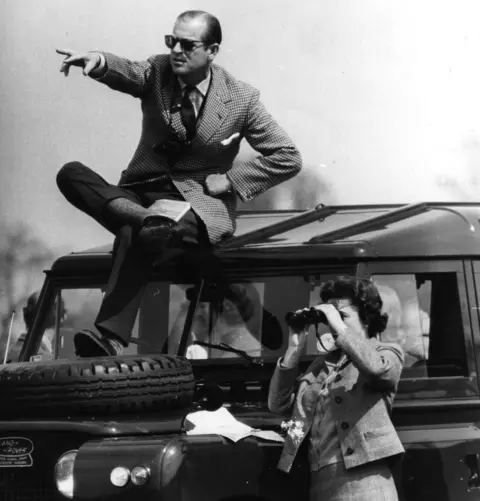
(425, 319)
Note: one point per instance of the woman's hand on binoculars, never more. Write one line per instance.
(296, 343)
(334, 319)
(297, 328)
(297, 339)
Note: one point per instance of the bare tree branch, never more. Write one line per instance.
(22, 256)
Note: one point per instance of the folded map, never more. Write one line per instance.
(222, 422)
(171, 209)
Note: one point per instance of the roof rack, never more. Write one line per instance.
(319, 212)
(373, 223)
(397, 213)
(471, 226)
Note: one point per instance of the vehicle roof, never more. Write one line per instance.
(423, 229)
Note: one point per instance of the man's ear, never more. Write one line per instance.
(214, 49)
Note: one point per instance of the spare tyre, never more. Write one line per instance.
(99, 386)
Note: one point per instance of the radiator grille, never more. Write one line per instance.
(26, 484)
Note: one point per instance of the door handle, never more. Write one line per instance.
(472, 463)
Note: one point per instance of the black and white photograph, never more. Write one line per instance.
(240, 250)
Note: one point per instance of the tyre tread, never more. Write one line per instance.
(102, 385)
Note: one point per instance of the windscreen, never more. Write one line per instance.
(204, 320)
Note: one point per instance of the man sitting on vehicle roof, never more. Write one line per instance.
(194, 116)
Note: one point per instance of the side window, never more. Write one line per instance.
(425, 319)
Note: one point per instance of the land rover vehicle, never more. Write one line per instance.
(114, 428)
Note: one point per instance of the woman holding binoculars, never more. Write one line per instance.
(341, 406)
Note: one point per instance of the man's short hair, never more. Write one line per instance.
(214, 30)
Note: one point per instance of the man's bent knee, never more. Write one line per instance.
(67, 174)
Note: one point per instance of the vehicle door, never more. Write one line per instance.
(431, 307)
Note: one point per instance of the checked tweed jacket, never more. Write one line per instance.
(361, 406)
(231, 106)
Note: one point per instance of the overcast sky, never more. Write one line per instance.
(382, 97)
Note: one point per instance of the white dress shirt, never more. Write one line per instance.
(198, 94)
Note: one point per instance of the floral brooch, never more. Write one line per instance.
(294, 430)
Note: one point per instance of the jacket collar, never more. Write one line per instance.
(202, 86)
(214, 110)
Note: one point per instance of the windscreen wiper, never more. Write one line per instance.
(227, 347)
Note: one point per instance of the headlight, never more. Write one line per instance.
(120, 476)
(64, 473)
(140, 475)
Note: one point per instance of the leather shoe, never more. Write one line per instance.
(90, 344)
(155, 233)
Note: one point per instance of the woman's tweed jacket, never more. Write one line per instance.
(231, 107)
(361, 406)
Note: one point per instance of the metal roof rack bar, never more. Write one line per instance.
(471, 227)
(319, 212)
(373, 223)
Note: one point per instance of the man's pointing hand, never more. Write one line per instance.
(86, 60)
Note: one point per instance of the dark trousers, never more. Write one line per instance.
(132, 265)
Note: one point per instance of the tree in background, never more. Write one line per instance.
(23, 257)
(304, 191)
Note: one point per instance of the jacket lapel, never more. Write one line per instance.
(305, 404)
(168, 83)
(171, 100)
(214, 109)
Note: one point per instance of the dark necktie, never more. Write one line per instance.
(187, 112)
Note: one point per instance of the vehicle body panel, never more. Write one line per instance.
(200, 468)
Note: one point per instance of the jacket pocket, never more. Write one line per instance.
(380, 438)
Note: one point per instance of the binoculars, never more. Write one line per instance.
(311, 316)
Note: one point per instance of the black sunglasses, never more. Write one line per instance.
(186, 44)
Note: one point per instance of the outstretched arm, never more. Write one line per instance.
(118, 73)
(90, 62)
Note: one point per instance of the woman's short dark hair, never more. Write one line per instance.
(364, 295)
(214, 30)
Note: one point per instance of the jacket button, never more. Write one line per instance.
(338, 400)
(345, 425)
(349, 451)
(337, 379)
